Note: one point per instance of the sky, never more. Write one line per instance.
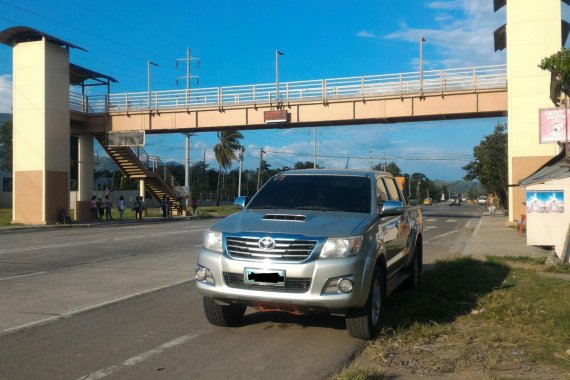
(235, 42)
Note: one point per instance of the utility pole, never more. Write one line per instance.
(314, 147)
(259, 171)
(188, 59)
(239, 159)
(187, 166)
(277, 54)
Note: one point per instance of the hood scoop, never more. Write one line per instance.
(285, 217)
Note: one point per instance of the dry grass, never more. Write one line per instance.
(475, 319)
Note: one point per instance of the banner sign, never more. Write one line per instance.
(545, 201)
(552, 124)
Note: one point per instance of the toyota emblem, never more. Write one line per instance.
(266, 243)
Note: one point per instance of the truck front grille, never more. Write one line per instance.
(284, 250)
(292, 285)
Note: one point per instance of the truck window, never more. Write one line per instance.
(381, 192)
(392, 189)
(315, 192)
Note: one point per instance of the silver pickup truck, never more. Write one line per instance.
(336, 241)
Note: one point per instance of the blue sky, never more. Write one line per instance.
(236, 42)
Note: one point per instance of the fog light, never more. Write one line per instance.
(205, 275)
(201, 274)
(345, 285)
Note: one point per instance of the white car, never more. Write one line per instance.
(482, 200)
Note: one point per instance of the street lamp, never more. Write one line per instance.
(277, 54)
(239, 158)
(149, 63)
(422, 40)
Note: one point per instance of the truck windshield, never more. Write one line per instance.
(315, 192)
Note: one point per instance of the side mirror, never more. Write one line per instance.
(241, 202)
(392, 208)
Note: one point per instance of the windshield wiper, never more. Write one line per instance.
(317, 208)
(263, 206)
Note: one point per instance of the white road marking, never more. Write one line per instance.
(92, 307)
(139, 358)
(451, 221)
(440, 236)
(21, 275)
(430, 220)
(27, 249)
(429, 228)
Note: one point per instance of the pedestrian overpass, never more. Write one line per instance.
(44, 120)
(431, 95)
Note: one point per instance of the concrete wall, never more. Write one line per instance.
(533, 32)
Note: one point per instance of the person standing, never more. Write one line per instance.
(121, 207)
(194, 205)
(108, 208)
(93, 207)
(101, 208)
(163, 207)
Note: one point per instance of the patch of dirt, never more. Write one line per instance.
(446, 357)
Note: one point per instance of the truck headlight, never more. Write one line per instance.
(213, 241)
(341, 247)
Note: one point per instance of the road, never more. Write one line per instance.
(118, 301)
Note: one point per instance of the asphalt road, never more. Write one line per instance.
(118, 302)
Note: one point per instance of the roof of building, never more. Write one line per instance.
(78, 75)
(557, 168)
(16, 34)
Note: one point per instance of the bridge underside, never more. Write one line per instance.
(346, 111)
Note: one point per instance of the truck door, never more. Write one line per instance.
(397, 230)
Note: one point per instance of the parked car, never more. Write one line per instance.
(336, 241)
(454, 200)
(482, 200)
(428, 202)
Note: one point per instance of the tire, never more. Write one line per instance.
(415, 269)
(365, 322)
(223, 315)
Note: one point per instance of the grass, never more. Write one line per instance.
(358, 374)
(5, 216)
(476, 316)
(203, 212)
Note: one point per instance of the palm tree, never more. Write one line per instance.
(225, 152)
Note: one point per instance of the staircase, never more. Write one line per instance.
(136, 163)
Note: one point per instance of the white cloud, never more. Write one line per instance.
(5, 93)
(366, 34)
(445, 4)
(459, 41)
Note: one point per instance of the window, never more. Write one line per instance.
(381, 192)
(392, 189)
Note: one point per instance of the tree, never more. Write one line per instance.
(391, 168)
(305, 165)
(490, 166)
(6, 140)
(225, 152)
(559, 66)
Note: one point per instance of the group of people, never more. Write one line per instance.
(103, 207)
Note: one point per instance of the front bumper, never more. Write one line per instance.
(313, 276)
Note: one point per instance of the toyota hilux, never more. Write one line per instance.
(334, 241)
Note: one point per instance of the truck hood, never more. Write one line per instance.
(302, 222)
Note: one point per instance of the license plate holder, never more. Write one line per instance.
(267, 277)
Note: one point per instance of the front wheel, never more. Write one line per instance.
(365, 322)
(223, 315)
(415, 268)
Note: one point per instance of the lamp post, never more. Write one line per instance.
(422, 40)
(277, 54)
(239, 158)
(149, 63)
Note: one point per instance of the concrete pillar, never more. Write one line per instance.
(533, 32)
(41, 132)
(85, 178)
(141, 194)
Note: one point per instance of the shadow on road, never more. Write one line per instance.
(285, 320)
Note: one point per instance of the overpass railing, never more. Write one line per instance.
(433, 81)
